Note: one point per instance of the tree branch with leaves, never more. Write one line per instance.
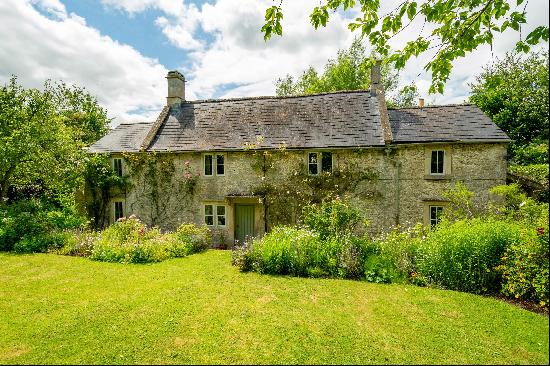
(457, 27)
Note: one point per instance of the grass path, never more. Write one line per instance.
(200, 309)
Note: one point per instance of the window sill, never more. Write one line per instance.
(437, 177)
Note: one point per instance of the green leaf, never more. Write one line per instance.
(411, 10)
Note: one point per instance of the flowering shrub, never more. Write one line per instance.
(79, 244)
(189, 178)
(525, 264)
(130, 241)
(394, 256)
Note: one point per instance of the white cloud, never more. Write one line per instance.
(226, 51)
(52, 7)
(240, 62)
(171, 7)
(180, 30)
(239, 56)
(236, 54)
(35, 47)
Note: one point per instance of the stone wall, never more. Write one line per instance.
(399, 194)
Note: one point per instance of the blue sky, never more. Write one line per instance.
(121, 50)
(138, 30)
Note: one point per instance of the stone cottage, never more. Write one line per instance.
(243, 165)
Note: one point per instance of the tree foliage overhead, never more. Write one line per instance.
(513, 91)
(456, 27)
(43, 133)
(350, 70)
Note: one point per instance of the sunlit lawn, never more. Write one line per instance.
(200, 309)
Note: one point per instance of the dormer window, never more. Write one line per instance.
(319, 162)
(214, 164)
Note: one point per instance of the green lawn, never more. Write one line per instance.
(200, 309)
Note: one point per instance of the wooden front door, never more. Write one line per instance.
(244, 222)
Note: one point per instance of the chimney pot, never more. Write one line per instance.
(421, 102)
(176, 88)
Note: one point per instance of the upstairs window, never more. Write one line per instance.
(118, 210)
(220, 167)
(117, 167)
(437, 162)
(326, 162)
(214, 164)
(313, 164)
(208, 166)
(319, 162)
(435, 214)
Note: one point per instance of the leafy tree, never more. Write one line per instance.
(406, 97)
(42, 135)
(349, 71)
(455, 28)
(513, 91)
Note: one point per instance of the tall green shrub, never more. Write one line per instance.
(464, 255)
(302, 252)
(331, 218)
(525, 268)
(34, 225)
(395, 254)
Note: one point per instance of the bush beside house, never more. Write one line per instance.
(499, 252)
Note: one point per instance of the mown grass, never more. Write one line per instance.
(199, 309)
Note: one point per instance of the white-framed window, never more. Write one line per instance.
(118, 210)
(117, 166)
(214, 215)
(220, 215)
(220, 164)
(209, 215)
(435, 213)
(318, 162)
(214, 164)
(437, 162)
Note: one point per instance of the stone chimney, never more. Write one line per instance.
(176, 88)
(376, 77)
(377, 91)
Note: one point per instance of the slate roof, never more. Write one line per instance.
(329, 120)
(124, 138)
(446, 123)
(319, 121)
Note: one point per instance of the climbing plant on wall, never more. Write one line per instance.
(157, 185)
(101, 181)
(286, 187)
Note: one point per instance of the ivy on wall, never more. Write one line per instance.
(286, 187)
(157, 186)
